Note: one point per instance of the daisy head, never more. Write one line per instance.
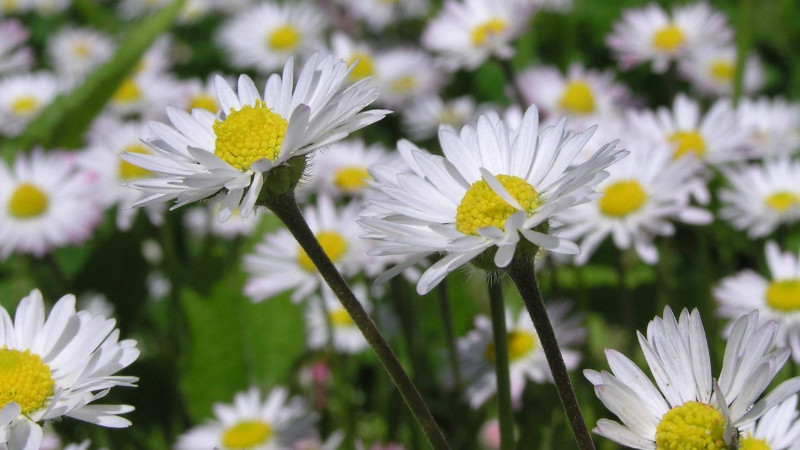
(491, 186)
(688, 407)
(341, 170)
(145, 94)
(423, 116)
(760, 197)
(378, 14)
(777, 429)
(324, 311)
(232, 153)
(200, 94)
(22, 98)
(68, 359)
(15, 56)
(357, 53)
(712, 71)
(74, 52)
(46, 202)
(772, 127)
(253, 422)
(404, 75)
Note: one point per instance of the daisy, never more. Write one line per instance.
(199, 94)
(69, 360)
(466, 33)
(265, 35)
(357, 53)
(423, 116)
(777, 298)
(712, 71)
(276, 422)
(22, 98)
(110, 139)
(341, 169)
(47, 203)
(378, 14)
(14, 55)
(492, 185)
(145, 94)
(643, 194)
(203, 154)
(772, 127)
(404, 75)
(74, 52)
(526, 358)
(777, 429)
(761, 196)
(50, 7)
(347, 338)
(688, 407)
(278, 263)
(651, 34)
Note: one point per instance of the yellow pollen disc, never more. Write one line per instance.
(520, 343)
(9, 5)
(128, 171)
(82, 49)
(482, 207)
(784, 295)
(722, 70)
(622, 198)
(333, 243)
(782, 201)
(751, 443)
(25, 105)
(249, 134)
(687, 142)
(28, 201)
(578, 97)
(127, 92)
(24, 379)
(364, 68)
(669, 38)
(340, 318)
(351, 179)
(247, 434)
(487, 30)
(692, 425)
(284, 38)
(204, 101)
(403, 85)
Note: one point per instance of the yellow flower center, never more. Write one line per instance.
(28, 201)
(340, 318)
(82, 49)
(722, 70)
(687, 142)
(487, 30)
(284, 38)
(751, 443)
(364, 68)
(403, 85)
(128, 171)
(622, 198)
(578, 97)
(334, 245)
(669, 38)
(25, 105)
(247, 434)
(784, 295)
(204, 101)
(127, 92)
(520, 343)
(782, 201)
(24, 379)
(482, 207)
(692, 425)
(249, 134)
(351, 179)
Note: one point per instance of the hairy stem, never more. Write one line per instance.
(500, 341)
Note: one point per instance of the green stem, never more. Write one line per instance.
(285, 208)
(523, 276)
(508, 71)
(501, 364)
(744, 39)
(450, 336)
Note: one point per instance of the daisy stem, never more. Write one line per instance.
(500, 341)
(450, 336)
(521, 272)
(744, 37)
(285, 207)
(508, 71)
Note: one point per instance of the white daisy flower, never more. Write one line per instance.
(352, 51)
(777, 298)
(47, 203)
(74, 52)
(404, 75)
(712, 70)
(266, 34)
(145, 94)
(651, 34)
(347, 338)
(772, 127)
(15, 56)
(46, 7)
(468, 32)
(340, 170)
(378, 14)
(688, 407)
(22, 98)
(279, 264)
(584, 95)
(492, 185)
(203, 154)
(202, 220)
(715, 136)
(276, 422)
(761, 196)
(423, 116)
(777, 429)
(643, 194)
(68, 360)
(199, 94)
(110, 139)
(526, 358)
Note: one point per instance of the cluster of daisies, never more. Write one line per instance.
(576, 161)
